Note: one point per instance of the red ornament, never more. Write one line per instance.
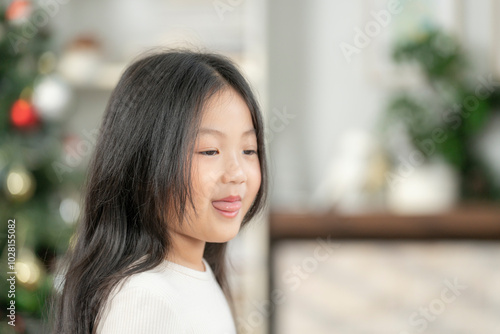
(18, 10)
(23, 114)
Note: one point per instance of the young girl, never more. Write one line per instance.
(179, 167)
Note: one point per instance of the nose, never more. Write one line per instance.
(233, 171)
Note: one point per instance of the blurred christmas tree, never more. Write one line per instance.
(33, 147)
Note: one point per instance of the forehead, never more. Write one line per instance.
(226, 112)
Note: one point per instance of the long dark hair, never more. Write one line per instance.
(139, 169)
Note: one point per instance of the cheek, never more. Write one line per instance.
(204, 181)
(254, 178)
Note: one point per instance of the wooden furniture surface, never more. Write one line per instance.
(467, 221)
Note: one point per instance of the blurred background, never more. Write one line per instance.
(383, 130)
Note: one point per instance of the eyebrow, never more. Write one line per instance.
(222, 134)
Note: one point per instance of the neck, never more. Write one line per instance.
(187, 251)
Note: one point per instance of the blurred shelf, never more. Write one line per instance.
(96, 77)
(467, 221)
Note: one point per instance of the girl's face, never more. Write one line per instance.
(225, 169)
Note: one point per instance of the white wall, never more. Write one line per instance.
(329, 97)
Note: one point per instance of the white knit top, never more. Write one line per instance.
(168, 299)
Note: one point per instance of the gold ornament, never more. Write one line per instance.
(29, 269)
(19, 184)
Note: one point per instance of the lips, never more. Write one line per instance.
(229, 206)
(229, 199)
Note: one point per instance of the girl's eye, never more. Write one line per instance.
(250, 152)
(209, 153)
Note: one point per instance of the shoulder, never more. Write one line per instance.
(151, 285)
(150, 280)
(140, 304)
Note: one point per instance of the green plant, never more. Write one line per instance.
(449, 112)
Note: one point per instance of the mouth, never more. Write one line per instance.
(228, 207)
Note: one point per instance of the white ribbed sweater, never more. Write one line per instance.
(168, 299)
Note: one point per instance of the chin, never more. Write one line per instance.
(226, 234)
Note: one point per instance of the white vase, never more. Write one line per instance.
(429, 188)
